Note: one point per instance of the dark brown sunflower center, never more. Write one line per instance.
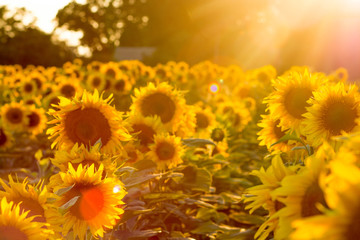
(11, 233)
(38, 82)
(145, 133)
(28, 204)
(119, 85)
(313, 195)
(217, 134)
(54, 101)
(14, 115)
(30, 102)
(159, 104)
(277, 130)
(87, 126)
(3, 138)
(28, 87)
(202, 120)
(165, 151)
(34, 119)
(96, 81)
(161, 72)
(68, 91)
(295, 101)
(353, 229)
(339, 116)
(110, 73)
(90, 203)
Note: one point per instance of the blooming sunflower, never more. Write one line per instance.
(68, 88)
(15, 224)
(289, 100)
(32, 199)
(334, 110)
(98, 200)
(28, 88)
(187, 126)
(14, 116)
(161, 101)
(302, 194)
(166, 151)
(261, 195)
(81, 155)
(95, 80)
(341, 222)
(85, 121)
(121, 85)
(270, 133)
(37, 120)
(205, 121)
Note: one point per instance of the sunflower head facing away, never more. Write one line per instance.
(86, 121)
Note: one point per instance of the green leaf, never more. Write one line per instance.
(69, 203)
(169, 196)
(197, 142)
(206, 228)
(287, 137)
(132, 181)
(247, 218)
(61, 191)
(195, 178)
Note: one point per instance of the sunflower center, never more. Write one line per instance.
(87, 126)
(3, 138)
(353, 229)
(119, 85)
(110, 73)
(34, 119)
(339, 116)
(201, 120)
(28, 88)
(37, 82)
(90, 203)
(165, 151)
(14, 115)
(277, 130)
(96, 81)
(217, 135)
(159, 104)
(295, 101)
(28, 204)
(68, 91)
(312, 196)
(11, 233)
(146, 133)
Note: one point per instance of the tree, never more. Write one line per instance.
(102, 23)
(26, 45)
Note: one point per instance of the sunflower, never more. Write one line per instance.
(32, 199)
(132, 153)
(121, 85)
(270, 133)
(261, 195)
(166, 151)
(51, 100)
(111, 70)
(68, 88)
(36, 120)
(95, 80)
(14, 116)
(187, 126)
(86, 121)
(144, 128)
(81, 155)
(340, 75)
(6, 138)
(161, 101)
(98, 200)
(334, 110)
(205, 121)
(341, 222)
(15, 224)
(302, 194)
(28, 88)
(289, 100)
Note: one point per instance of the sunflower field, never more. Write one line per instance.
(121, 150)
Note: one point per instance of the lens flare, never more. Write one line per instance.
(214, 88)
